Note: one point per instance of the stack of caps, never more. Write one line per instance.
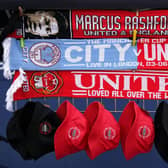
(36, 130)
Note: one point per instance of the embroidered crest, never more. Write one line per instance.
(74, 133)
(109, 133)
(144, 132)
(46, 82)
(45, 128)
(44, 54)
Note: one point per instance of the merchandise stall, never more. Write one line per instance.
(83, 84)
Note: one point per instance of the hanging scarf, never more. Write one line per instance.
(104, 84)
(96, 54)
(95, 23)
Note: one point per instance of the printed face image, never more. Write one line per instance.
(41, 23)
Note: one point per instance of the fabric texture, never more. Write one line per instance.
(104, 131)
(161, 130)
(71, 135)
(31, 130)
(87, 84)
(136, 130)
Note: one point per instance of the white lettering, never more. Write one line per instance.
(153, 55)
(126, 83)
(79, 21)
(78, 81)
(161, 52)
(122, 50)
(102, 51)
(163, 83)
(144, 81)
(68, 56)
(103, 78)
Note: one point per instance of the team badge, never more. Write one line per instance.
(45, 128)
(109, 133)
(144, 132)
(74, 133)
(44, 54)
(46, 82)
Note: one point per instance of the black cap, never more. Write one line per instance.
(31, 130)
(161, 130)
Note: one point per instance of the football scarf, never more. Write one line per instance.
(95, 23)
(105, 84)
(64, 54)
(95, 54)
(119, 23)
(49, 24)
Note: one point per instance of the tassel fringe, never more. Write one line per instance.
(13, 88)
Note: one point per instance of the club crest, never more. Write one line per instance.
(44, 54)
(45, 128)
(74, 133)
(46, 82)
(144, 132)
(109, 133)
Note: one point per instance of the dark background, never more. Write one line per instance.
(89, 4)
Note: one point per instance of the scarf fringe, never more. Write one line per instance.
(6, 58)
(13, 88)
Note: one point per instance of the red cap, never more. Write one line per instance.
(104, 131)
(137, 130)
(70, 137)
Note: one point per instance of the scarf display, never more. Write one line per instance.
(95, 23)
(85, 54)
(119, 23)
(96, 54)
(70, 54)
(105, 84)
